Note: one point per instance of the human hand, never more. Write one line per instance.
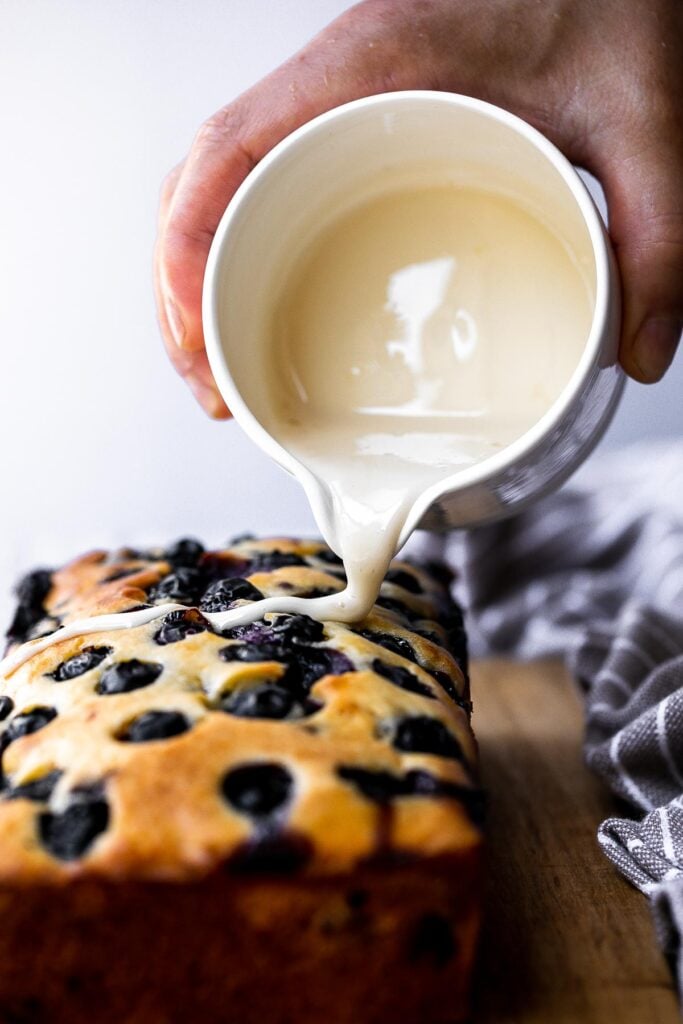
(603, 81)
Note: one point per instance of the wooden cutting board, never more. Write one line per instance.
(566, 938)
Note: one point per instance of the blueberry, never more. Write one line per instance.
(252, 633)
(423, 735)
(28, 722)
(240, 538)
(441, 573)
(327, 555)
(6, 706)
(219, 565)
(395, 644)
(357, 899)
(223, 594)
(382, 787)
(429, 634)
(284, 630)
(265, 701)
(378, 786)
(394, 605)
(279, 853)
(124, 676)
(402, 677)
(297, 629)
(432, 940)
(456, 615)
(421, 783)
(31, 592)
(89, 657)
(180, 624)
(257, 789)
(68, 835)
(185, 552)
(33, 588)
(399, 645)
(267, 561)
(304, 665)
(268, 700)
(457, 641)
(183, 586)
(309, 664)
(252, 652)
(402, 578)
(39, 789)
(314, 592)
(445, 681)
(155, 725)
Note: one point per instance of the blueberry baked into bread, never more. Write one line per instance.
(280, 823)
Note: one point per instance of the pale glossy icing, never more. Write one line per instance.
(318, 607)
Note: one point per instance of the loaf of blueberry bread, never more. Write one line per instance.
(279, 823)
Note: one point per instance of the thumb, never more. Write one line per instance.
(644, 188)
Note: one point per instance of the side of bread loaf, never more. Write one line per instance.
(281, 820)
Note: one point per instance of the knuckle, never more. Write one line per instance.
(183, 241)
(209, 134)
(662, 240)
(650, 97)
(221, 126)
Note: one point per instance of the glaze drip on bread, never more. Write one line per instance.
(168, 749)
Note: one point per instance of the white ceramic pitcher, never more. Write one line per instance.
(348, 151)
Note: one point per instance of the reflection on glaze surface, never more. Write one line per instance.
(432, 302)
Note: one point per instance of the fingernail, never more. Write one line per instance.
(209, 399)
(175, 321)
(655, 346)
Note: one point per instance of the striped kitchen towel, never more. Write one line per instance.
(595, 573)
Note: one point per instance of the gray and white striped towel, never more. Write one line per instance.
(595, 573)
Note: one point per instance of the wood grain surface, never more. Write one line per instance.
(566, 938)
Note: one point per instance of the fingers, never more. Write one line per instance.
(216, 165)
(645, 197)
(349, 59)
(641, 167)
(193, 366)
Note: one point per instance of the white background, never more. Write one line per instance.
(100, 442)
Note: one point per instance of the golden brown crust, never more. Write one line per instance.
(358, 783)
